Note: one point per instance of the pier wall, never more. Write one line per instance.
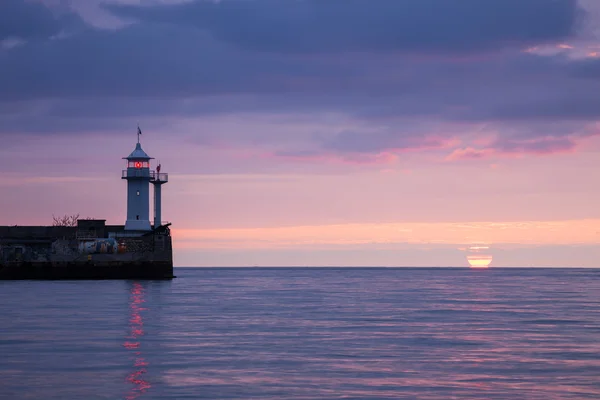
(92, 249)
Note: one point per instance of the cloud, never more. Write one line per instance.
(535, 142)
(587, 69)
(157, 69)
(187, 62)
(469, 153)
(161, 62)
(146, 60)
(170, 71)
(25, 20)
(465, 141)
(537, 145)
(324, 157)
(391, 139)
(316, 26)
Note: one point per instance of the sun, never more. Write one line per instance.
(479, 261)
(477, 258)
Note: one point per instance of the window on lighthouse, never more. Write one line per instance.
(138, 164)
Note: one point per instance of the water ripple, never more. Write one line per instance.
(306, 334)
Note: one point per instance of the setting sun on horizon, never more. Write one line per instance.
(477, 257)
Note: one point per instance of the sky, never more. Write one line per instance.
(313, 132)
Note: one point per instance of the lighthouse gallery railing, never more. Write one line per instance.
(141, 173)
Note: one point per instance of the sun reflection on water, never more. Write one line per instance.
(132, 343)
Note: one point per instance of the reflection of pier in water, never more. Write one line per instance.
(132, 343)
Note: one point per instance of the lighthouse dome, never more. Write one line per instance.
(138, 154)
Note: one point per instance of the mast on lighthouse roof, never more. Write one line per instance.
(139, 176)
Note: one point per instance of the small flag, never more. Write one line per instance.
(139, 131)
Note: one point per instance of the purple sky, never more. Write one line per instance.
(313, 132)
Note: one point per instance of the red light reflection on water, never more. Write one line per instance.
(136, 325)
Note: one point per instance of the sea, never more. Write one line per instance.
(305, 333)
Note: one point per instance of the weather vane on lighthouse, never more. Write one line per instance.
(139, 132)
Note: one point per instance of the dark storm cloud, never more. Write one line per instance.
(385, 140)
(588, 69)
(582, 105)
(162, 62)
(502, 90)
(502, 139)
(167, 60)
(147, 60)
(316, 26)
(32, 20)
(539, 145)
(202, 59)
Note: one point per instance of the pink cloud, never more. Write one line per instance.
(382, 158)
(515, 148)
(469, 153)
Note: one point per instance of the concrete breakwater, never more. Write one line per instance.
(92, 250)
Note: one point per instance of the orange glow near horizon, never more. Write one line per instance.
(534, 233)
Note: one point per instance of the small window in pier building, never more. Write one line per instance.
(137, 217)
(138, 193)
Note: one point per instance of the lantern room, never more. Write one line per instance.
(138, 164)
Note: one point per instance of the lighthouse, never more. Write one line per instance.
(92, 249)
(139, 176)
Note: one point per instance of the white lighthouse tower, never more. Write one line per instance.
(139, 176)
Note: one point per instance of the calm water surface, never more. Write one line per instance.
(306, 334)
